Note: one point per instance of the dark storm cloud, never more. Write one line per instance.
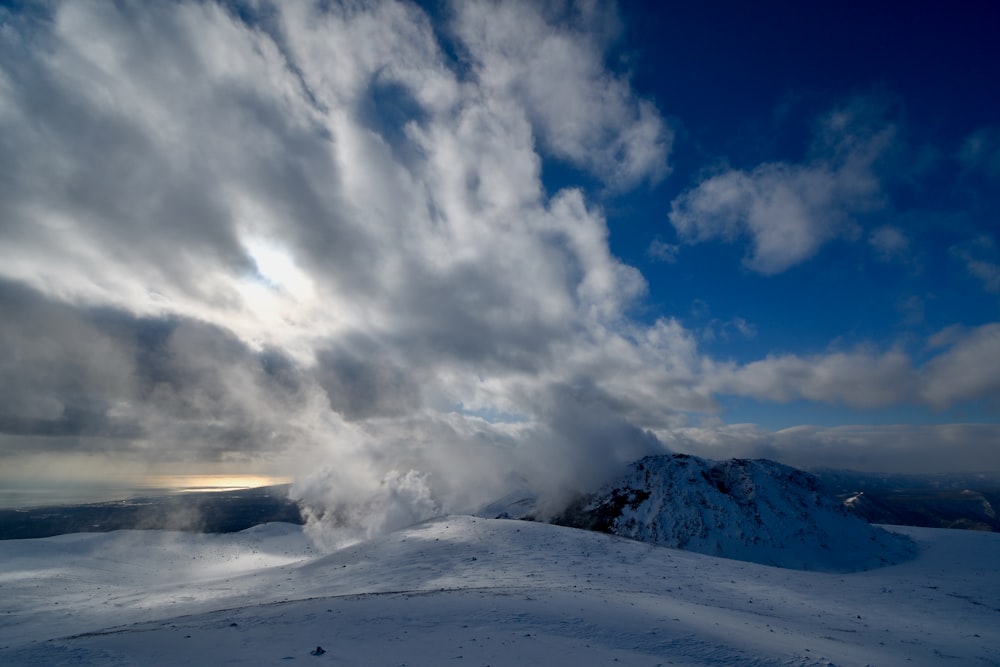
(61, 372)
(361, 380)
(106, 379)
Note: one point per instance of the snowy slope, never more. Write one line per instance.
(468, 591)
(759, 511)
(518, 504)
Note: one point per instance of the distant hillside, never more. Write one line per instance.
(966, 501)
(752, 510)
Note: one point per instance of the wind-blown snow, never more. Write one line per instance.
(759, 511)
(471, 591)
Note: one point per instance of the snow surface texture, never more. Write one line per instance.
(471, 591)
(758, 511)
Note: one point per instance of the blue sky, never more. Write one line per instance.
(745, 87)
(433, 251)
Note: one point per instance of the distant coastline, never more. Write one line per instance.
(225, 511)
(16, 494)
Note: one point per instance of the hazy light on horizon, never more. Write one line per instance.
(51, 492)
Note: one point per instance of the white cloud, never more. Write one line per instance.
(895, 448)
(789, 211)
(662, 251)
(965, 367)
(890, 243)
(727, 330)
(980, 258)
(741, 326)
(987, 272)
(967, 370)
(311, 239)
(308, 236)
(859, 379)
(557, 74)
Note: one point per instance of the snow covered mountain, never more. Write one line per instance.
(753, 510)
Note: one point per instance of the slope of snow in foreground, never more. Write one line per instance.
(472, 591)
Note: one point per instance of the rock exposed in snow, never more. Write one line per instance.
(752, 510)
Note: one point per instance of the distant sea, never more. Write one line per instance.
(18, 494)
(195, 508)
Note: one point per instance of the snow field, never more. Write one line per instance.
(472, 591)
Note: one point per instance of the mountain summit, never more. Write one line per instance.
(752, 510)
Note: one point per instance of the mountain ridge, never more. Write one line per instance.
(755, 510)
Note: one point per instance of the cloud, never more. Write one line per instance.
(890, 243)
(788, 211)
(314, 237)
(101, 381)
(969, 369)
(964, 368)
(737, 327)
(556, 74)
(662, 251)
(859, 379)
(896, 448)
(980, 258)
